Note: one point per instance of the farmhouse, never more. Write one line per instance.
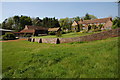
(36, 31)
(86, 24)
(32, 30)
(3, 31)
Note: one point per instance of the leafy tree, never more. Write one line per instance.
(16, 21)
(92, 16)
(37, 21)
(50, 22)
(116, 22)
(0, 25)
(10, 23)
(59, 34)
(77, 18)
(4, 24)
(66, 23)
(24, 20)
(87, 17)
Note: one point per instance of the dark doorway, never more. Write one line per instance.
(33, 40)
(29, 39)
(40, 41)
(58, 41)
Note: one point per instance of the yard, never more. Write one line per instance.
(96, 59)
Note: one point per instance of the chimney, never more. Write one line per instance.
(26, 26)
(81, 20)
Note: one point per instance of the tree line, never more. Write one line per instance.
(18, 23)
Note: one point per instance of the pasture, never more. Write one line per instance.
(96, 59)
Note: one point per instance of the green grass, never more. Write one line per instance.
(68, 35)
(97, 59)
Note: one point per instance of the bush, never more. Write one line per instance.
(27, 35)
(84, 31)
(8, 36)
(97, 30)
(114, 26)
(92, 30)
(64, 32)
(59, 34)
(51, 33)
(69, 31)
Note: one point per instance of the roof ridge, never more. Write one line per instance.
(98, 19)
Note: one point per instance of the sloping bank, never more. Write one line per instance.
(96, 36)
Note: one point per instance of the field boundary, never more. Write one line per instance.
(92, 37)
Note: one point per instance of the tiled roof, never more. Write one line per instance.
(17, 32)
(28, 31)
(37, 27)
(31, 29)
(53, 29)
(103, 20)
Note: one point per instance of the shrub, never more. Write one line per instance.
(59, 34)
(63, 32)
(51, 33)
(8, 36)
(97, 30)
(27, 35)
(92, 30)
(84, 31)
(114, 26)
(69, 31)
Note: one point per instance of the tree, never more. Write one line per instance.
(16, 21)
(77, 18)
(92, 16)
(4, 24)
(37, 21)
(24, 20)
(66, 23)
(116, 22)
(10, 22)
(50, 22)
(87, 17)
(0, 25)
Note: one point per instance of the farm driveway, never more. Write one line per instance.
(13, 40)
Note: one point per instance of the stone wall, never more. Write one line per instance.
(49, 40)
(97, 36)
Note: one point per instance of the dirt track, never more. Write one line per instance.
(13, 40)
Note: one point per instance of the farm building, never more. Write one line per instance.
(32, 30)
(36, 31)
(86, 24)
(3, 31)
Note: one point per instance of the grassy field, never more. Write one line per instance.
(68, 35)
(97, 59)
